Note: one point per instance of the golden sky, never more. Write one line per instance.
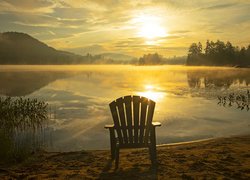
(131, 27)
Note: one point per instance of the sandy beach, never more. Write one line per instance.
(215, 158)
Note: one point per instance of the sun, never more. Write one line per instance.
(150, 26)
(151, 30)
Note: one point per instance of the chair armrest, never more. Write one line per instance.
(156, 124)
(109, 126)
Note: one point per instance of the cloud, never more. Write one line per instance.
(70, 13)
(32, 6)
(141, 42)
(80, 23)
(220, 6)
(180, 32)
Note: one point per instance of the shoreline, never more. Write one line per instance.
(187, 142)
(200, 140)
(224, 157)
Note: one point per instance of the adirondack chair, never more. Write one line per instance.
(133, 126)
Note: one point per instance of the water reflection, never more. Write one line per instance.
(152, 92)
(220, 79)
(150, 82)
(184, 96)
(22, 83)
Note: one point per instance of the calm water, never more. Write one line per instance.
(186, 99)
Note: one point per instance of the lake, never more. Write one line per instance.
(78, 96)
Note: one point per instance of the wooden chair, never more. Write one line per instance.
(133, 126)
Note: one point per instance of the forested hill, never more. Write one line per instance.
(21, 48)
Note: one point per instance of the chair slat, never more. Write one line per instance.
(144, 105)
(114, 113)
(150, 113)
(128, 107)
(121, 109)
(136, 108)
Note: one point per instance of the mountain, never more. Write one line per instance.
(21, 48)
(93, 49)
(100, 50)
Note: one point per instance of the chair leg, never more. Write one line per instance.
(117, 152)
(153, 153)
(150, 153)
(153, 156)
(112, 152)
(112, 143)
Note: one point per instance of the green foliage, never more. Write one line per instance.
(219, 54)
(21, 122)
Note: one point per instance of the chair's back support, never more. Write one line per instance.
(132, 117)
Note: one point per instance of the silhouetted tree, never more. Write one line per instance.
(218, 53)
(194, 54)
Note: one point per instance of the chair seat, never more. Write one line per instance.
(132, 145)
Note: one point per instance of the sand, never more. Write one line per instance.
(222, 158)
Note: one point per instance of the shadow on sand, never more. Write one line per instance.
(135, 172)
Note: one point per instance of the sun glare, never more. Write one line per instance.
(149, 87)
(150, 26)
(151, 93)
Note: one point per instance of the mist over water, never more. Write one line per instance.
(186, 99)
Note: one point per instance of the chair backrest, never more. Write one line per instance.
(132, 117)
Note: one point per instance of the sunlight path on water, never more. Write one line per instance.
(151, 92)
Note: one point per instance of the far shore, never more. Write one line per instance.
(79, 67)
(220, 158)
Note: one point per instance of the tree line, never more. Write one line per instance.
(157, 59)
(218, 53)
(150, 59)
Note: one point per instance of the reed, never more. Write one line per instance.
(22, 126)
